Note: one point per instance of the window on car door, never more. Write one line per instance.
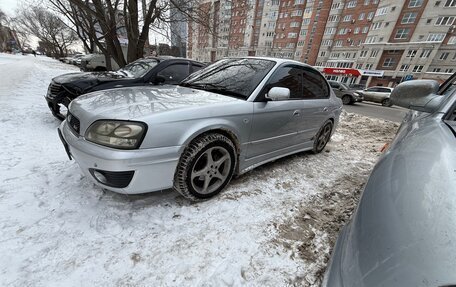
(288, 77)
(174, 73)
(314, 85)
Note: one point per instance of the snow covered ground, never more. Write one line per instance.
(274, 226)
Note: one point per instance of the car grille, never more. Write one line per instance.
(74, 123)
(53, 90)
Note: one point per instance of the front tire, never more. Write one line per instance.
(346, 100)
(322, 137)
(206, 166)
(387, 103)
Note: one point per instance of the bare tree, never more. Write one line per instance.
(48, 28)
(131, 19)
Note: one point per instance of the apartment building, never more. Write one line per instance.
(372, 42)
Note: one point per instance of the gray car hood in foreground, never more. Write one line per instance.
(138, 102)
(404, 230)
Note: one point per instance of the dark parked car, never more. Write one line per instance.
(403, 231)
(148, 71)
(349, 96)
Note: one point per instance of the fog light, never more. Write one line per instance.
(99, 176)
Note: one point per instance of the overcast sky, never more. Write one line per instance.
(8, 6)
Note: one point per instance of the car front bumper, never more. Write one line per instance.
(359, 98)
(124, 171)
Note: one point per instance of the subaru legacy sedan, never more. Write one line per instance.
(224, 120)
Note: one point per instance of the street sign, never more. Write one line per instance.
(407, 78)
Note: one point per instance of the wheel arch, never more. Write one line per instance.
(219, 129)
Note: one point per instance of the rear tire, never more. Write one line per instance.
(206, 166)
(323, 137)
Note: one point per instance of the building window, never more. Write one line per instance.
(306, 21)
(425, 53)
(334, 18)
(404, 68)
(388, 62)
(444, 56)
(303, 32)
(301, 43)
(418, 68)
(374, 53)
(365, 29)
(409, 18)
(338, 43)
(376, 25)
(356, 30)
(322, 53)
(436, 70)
(336, 5)
(296, 13)
(363, 54)
(351, 4)
(435, 37)
(450, 3)
(402, 33)
(347, 18)
(366, 2)
(330, 31)
(370, 16)
(452, 40)
(369, 66)
(411, 53)
(361, 16)
(448, 70)
(327, 43)
(381, 11)
(290, 45)
(415, 3)
(445, 21)
(298, 2)
(294, 24)
(370, 39)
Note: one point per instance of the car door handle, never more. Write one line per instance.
(325, 109)
(296, 113)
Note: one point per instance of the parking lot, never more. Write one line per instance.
(271, 227)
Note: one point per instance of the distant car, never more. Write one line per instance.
(378, 95)
(349, 96)
(149, 71)
(226, 119)
(403, 231)
(357, 86)
(76, 59)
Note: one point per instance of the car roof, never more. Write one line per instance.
(278, 60)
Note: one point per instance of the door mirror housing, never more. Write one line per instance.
(278, 94)
(418, 95)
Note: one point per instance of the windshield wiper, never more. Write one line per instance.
(215, 89)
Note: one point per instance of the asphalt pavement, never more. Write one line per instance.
(374, 110)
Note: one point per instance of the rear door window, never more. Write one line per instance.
(314, 85)
(174, 73)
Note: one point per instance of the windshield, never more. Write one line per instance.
(344, 86)
(139, 68)
(231, 77)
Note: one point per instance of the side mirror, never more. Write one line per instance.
(278, 94)
(159, 80)
(418, 95)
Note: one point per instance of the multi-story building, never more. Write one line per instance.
(372, 42)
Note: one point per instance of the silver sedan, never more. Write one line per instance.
(224, 120)
(403, 231)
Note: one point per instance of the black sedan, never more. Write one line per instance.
(148, 71)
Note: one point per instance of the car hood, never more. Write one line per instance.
(403, 231)
(139, 102)
(86, 80)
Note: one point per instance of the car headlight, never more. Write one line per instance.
(356, 94)
(117, 134)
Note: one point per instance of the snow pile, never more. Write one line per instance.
(273, 226)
